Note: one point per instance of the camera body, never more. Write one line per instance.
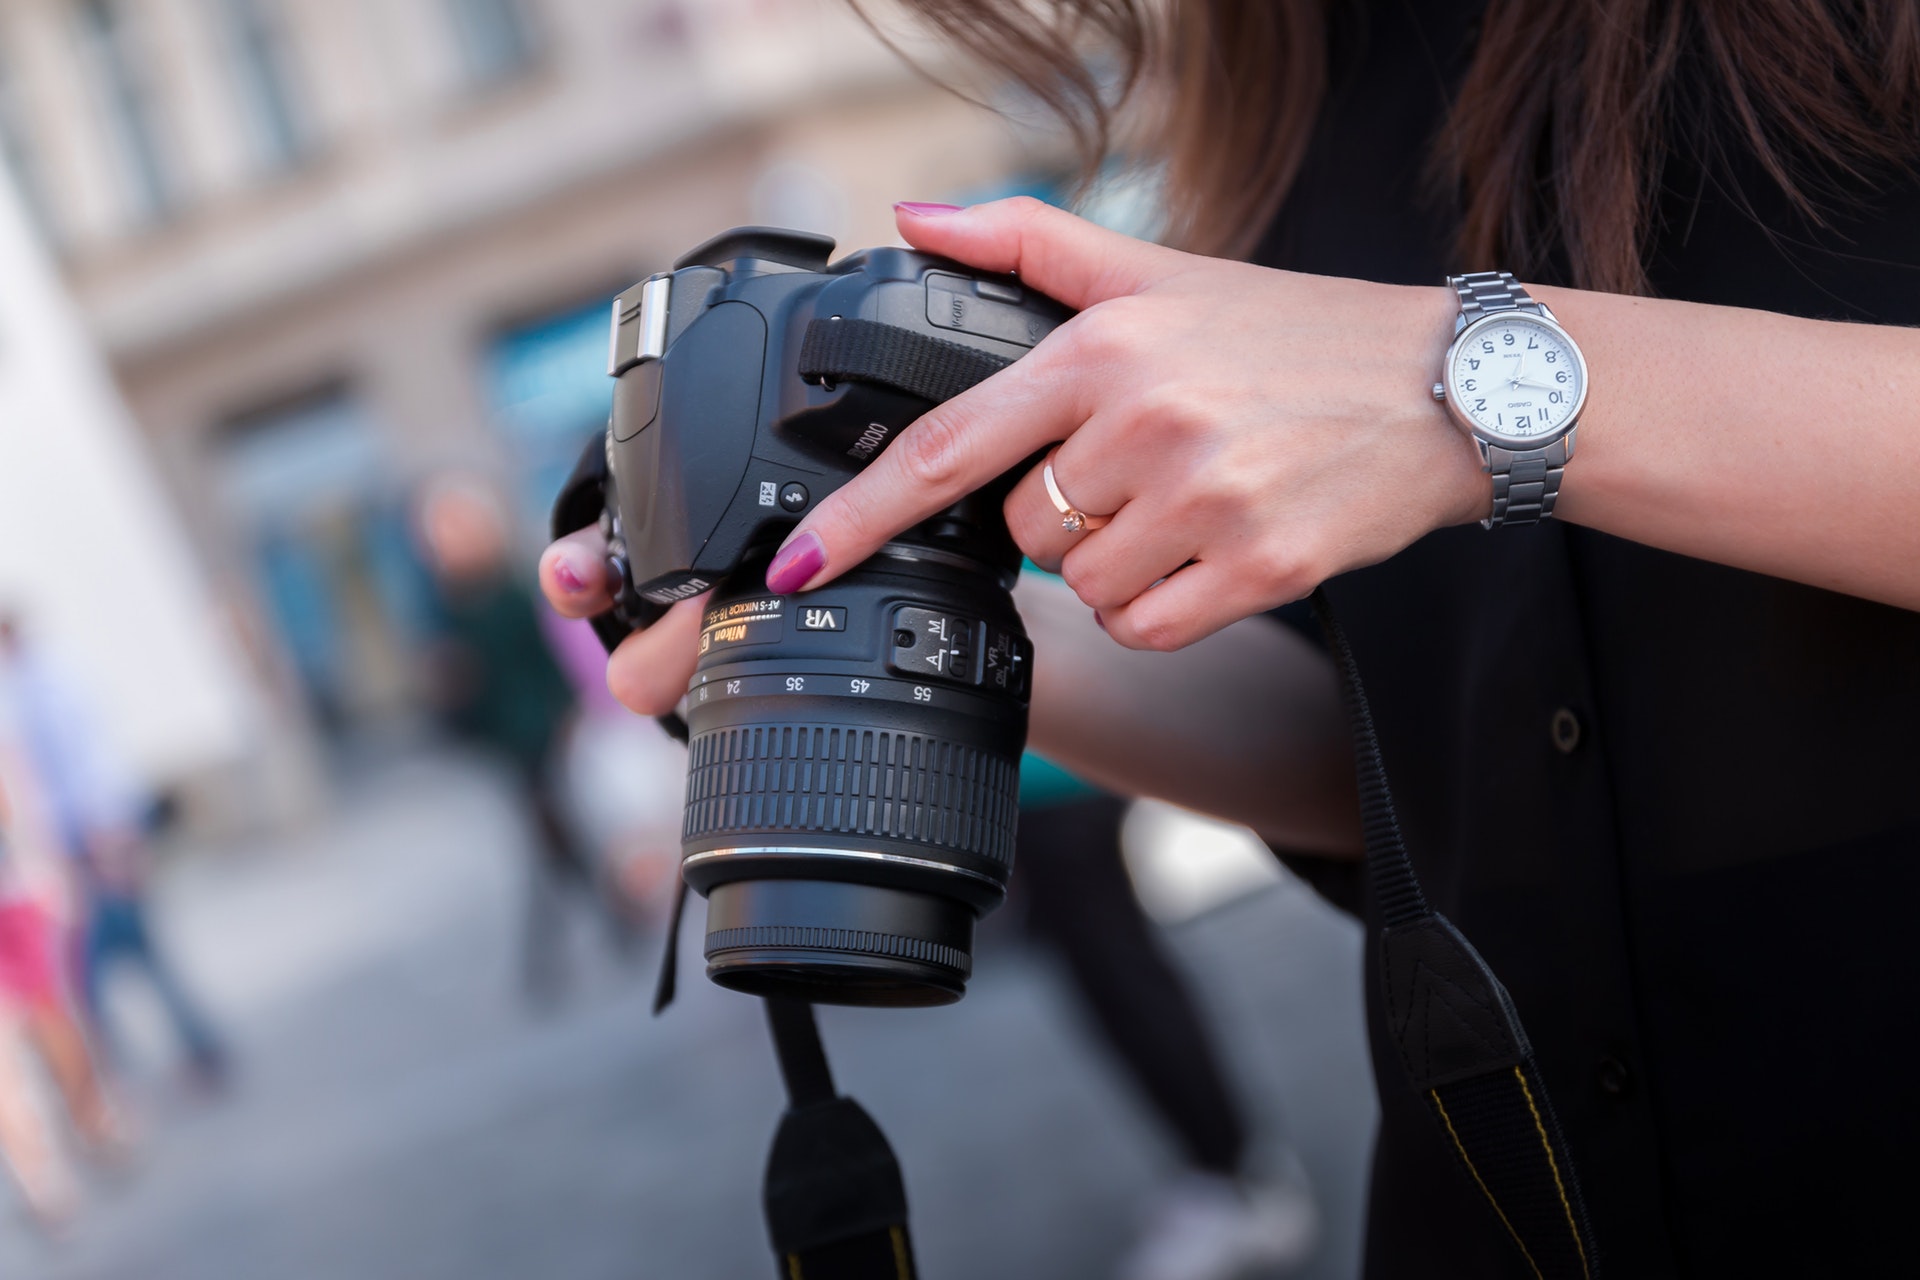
(853, 752)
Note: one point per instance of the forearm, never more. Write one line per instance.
(1245, 725)
(1790, 447)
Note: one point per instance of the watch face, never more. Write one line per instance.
(1516, 377)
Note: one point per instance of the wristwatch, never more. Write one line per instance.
(1515, 382)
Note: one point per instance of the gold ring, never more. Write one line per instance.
(1072, 519)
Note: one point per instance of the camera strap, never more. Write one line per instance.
(1458, 1035)
(835, 1202)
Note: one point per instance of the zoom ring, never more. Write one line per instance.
(801, 937)
(871, 782)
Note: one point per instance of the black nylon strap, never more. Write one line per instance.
(1457, 1031)
(867, 351)
(803, 1059)
(836, 1204)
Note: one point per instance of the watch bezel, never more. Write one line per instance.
(1466, 421)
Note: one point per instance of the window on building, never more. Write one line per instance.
(110, 44)
(258, 54)
(548, 393)
(495, 37)
(307, 486)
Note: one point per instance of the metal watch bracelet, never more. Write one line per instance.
(1526, 482)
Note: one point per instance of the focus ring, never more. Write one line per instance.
(852, 781)
(803, 937)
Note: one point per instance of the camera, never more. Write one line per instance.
(853, 770)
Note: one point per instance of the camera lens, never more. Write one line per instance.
(853, 776)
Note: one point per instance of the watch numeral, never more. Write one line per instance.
(1507, 338)
(1479, 406)
(1532, 345)
(1553, 397)
(1468, 385)
(1561, 376)
(1552, 355)
(1472, 363)
(1486, 346)
(1519, 422)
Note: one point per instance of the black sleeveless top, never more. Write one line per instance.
(1675, 805)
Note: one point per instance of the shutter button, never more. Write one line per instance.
(1615, 1080)
(1566, 731)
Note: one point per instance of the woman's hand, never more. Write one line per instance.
(650, 670)
(1251, 432)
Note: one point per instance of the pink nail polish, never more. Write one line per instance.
(565, 575)
(796, 564)
(922, 209)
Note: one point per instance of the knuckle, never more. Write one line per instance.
(1154, 624)
(1026, 208)
(1105, 333)
(1080, 577)
(1029, 530)
(933, 453)
(1158, 631)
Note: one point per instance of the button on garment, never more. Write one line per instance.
(1565, 731)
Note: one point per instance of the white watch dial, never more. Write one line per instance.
(1517, 377)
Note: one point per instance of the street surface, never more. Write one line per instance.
(398, 1112)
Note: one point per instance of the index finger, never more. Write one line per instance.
(946, 454)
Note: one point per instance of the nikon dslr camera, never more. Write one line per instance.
(853, 772)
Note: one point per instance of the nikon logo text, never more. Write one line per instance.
(869, 442)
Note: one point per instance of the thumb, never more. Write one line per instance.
(1067, 258)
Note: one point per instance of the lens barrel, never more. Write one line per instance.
(853, 777)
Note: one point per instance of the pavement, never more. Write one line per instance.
(398, 1111)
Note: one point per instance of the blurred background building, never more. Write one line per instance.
(329, 245)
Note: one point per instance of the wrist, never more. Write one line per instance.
(1457, 488)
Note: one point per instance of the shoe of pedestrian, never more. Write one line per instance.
(1207, 1227)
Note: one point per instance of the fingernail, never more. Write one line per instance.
(567, 576)
(1099, 621)
(922, 209)
(796, 564)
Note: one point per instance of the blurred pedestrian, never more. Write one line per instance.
(35, 1012)
(100, 818)
(499, 686)
(1219, 1219)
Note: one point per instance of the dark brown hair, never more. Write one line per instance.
(1555, 139)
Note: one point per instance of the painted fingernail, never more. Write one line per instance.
(922, 209)
(796, 564)
(570, 579)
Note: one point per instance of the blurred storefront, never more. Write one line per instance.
(329, 246)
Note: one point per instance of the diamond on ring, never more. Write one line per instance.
(1072, 519)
